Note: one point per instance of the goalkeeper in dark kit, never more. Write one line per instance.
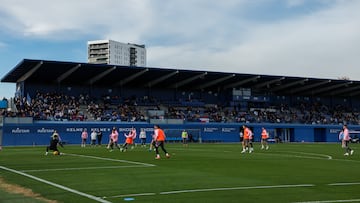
(54, 142)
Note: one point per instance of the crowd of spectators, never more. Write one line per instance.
(301, 113)
(61, 107)
(115, 109)
(48, 106)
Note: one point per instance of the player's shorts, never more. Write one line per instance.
(159, 143)
(129, 141)
(184, 140)
(54, 148)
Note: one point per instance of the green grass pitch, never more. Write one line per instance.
(287, 172)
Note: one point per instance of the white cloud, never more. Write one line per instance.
(60, 19)
(323, 44)
(203, 34)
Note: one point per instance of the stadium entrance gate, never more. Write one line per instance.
(319, 134)
(283, 134)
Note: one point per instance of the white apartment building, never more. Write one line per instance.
(116, 53)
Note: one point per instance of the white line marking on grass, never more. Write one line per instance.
(325, 157)
(343, 184)
(135, 164)
(289, 153)
(330, 201)
(83, 168)
(198, 150)
(316, 154)
(56, 185)
(296, 156)
(347, 160)
(235, 188)
(341, 200)
(131, 195)
(213, 189)
(116, 160)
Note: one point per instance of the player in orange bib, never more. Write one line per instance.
(159, 137)
(129, 139)
(264, 138)
(247, 136)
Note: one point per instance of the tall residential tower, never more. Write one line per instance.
(116, 53)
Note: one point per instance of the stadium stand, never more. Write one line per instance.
(60, 107)
(55, 91)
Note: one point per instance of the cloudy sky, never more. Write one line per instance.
(308, 38)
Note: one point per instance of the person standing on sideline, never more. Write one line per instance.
(159, 137)
(345, 141)
(99, 136)
(264, 138)
(341, 135)
(84, 136)
(184, 136)
(93, 136)
(142, 136)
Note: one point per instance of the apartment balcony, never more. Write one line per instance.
(98, 46)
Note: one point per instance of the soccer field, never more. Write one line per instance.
(300, 172)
